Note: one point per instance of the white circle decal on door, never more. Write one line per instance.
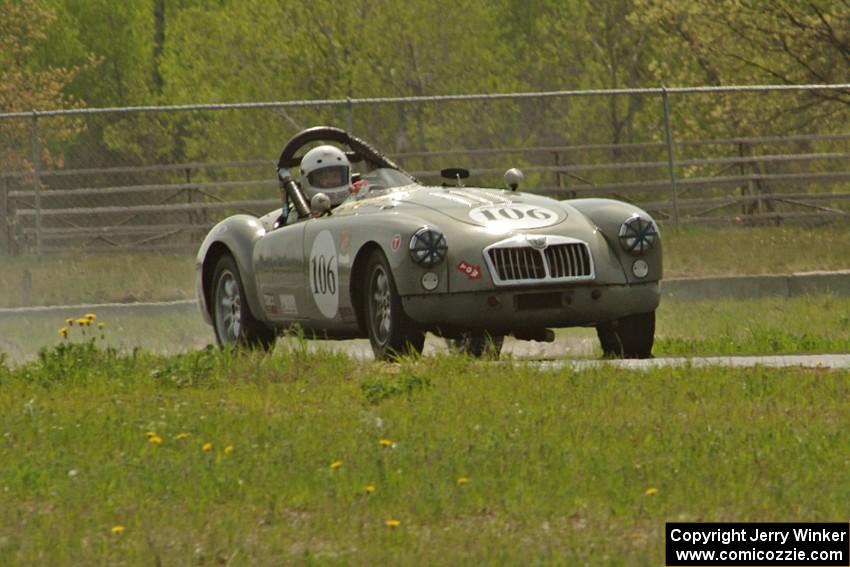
(323, 272)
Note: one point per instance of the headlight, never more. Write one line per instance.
(638, 235)
(428, 246)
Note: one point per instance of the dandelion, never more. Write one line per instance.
(69, 322)
(228, 450)
(385, 443)
(82, 322)
(651, 491)
(91, 316)
(369, 488)
(392, 523)
(462, 480)
(155, 439)
(206, 447)
(118, 530)
(182, 435)
(150, 434)
(336, 464)
(64, 332)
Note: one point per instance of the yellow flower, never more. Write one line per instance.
(82, 322)
(70, 322)
(118, 530)
(150, 434)
(462, 480)
(181, 435)
(392, 523)
(369, 488)
(651, 491)
(101, 326)
(385, 443)
(64, 332)
(228, 449)
(336, 464)
(155, 439)
(91, 316)
(206, 447)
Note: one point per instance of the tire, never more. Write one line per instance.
(391, 332)
(628, 337)
(232, 319)
(478, 346)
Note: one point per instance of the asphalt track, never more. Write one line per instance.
(568, 351)
(806, 361)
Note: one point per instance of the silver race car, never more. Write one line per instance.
(397, 259)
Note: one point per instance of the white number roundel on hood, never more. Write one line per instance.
(514, 215)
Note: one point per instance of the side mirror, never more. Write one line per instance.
(320, 204)
(513, 177)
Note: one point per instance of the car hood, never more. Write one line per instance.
(490, 208)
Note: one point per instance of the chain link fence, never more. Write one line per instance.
(157, 178)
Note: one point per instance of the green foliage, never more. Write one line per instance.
(378, 390)
(197, 368)
(187, 51)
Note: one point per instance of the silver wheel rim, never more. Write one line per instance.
(228, 309)
(380, 305)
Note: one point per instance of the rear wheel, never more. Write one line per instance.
(479, 346)
(628, 337)
(391, 332)
(234, 324)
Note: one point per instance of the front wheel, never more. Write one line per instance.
(628, 337)
(234, 324)
(391, 333)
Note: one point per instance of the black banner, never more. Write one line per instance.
(762, 544)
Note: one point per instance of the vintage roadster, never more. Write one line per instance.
(397, 259)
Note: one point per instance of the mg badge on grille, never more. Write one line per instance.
(537, 242)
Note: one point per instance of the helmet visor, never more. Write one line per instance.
(328, 177)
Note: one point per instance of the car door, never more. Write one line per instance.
(279, 270)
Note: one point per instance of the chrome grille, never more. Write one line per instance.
(568, 261)
(517, 263)
(562, 259)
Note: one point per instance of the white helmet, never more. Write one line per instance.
(325, 169)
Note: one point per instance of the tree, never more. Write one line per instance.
(26, 86)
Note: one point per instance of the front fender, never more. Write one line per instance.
(609, 216)
(236, 236)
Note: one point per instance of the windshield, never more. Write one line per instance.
(380, 182)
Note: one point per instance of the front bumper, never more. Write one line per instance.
(507, 310)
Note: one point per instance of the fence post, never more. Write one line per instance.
(5, 225)
(36, 180)
(671, 164)
(349, 115)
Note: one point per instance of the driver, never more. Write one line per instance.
(325, 169)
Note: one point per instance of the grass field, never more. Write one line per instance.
(226, 458)
(74, 279)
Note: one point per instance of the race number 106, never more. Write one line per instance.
(511, 213)
(322, 275)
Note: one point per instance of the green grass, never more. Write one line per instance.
(689, 251)
(765, 326)
(100, 278)
(697, 251)
(554, 475)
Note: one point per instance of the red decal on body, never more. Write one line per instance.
(396, 244)
(472, 272)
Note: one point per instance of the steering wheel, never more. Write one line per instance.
(360, 150)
